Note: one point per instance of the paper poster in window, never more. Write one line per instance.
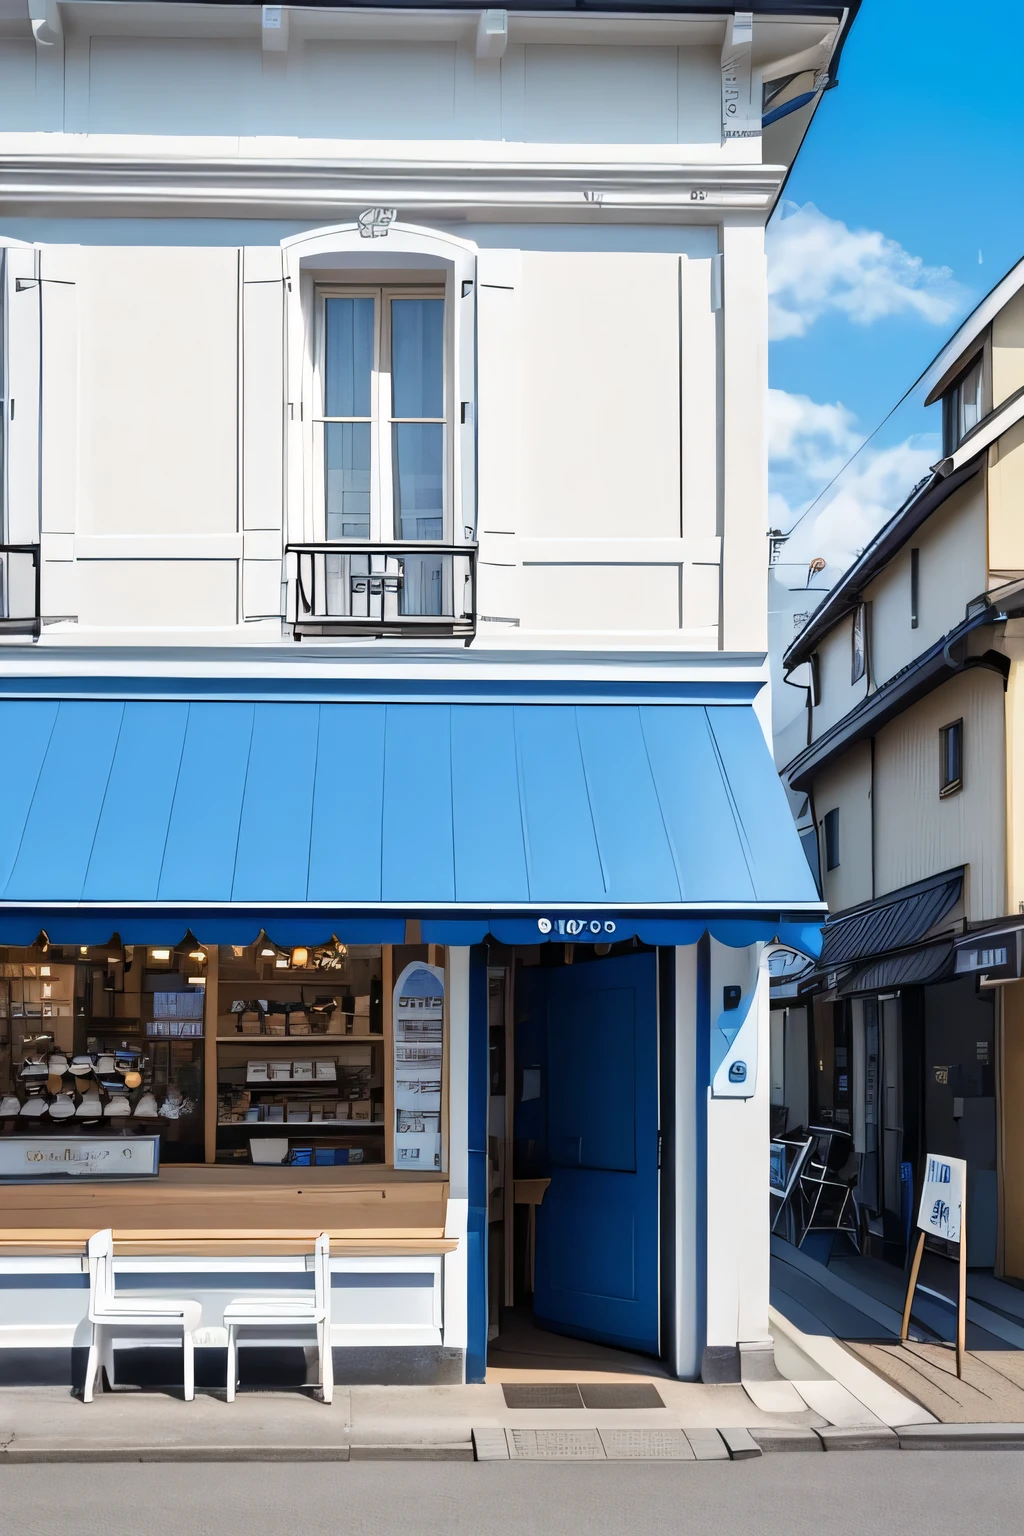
(419, 1048)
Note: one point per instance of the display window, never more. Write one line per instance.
(327, 1056)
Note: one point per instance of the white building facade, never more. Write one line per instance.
(384, 585)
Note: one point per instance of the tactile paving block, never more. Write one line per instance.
(646, 1445)
(555, 1445)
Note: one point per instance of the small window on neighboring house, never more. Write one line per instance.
(859, 645)
(951, 758)
(962, 407)
(831, 826)
(815, 666)
(915, 586)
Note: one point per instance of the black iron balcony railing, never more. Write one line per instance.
(412, 588)
(20, 589)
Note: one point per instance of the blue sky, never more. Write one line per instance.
(913, 165)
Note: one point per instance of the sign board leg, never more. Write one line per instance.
(911, 1287)
(961, 1298)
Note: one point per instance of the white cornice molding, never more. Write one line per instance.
(250, 187)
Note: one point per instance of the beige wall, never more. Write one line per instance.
(952, 570)
(1006, 503)
(838, 694)
(847, 784)
(1007, 350)
(916, 833)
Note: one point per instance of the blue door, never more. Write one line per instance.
(594, 1027)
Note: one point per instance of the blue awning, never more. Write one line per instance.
(137, 813)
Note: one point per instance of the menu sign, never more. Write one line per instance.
(419, 1060)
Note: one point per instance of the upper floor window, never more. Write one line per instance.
(962, 406)
(831, 829)
(859, 643)
(385, 429)
(951, 758)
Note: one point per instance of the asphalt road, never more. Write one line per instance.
(901, 1493)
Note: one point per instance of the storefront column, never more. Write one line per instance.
(455, 1265)
(737, 1178)
(684, 1165)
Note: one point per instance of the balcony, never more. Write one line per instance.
(403, 589)
(19, 590)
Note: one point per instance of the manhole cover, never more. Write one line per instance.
(555, 1445)
(646, 1445)
(615, 1394)
(542, 1395)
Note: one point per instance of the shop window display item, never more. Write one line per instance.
(418, 1065)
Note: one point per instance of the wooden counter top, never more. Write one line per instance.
(210, 1211)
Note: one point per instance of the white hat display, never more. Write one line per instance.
(57, 1064)
(105, 1064)
(63, 1107)
(81, 1066)
(90, 1107)
(10, 1104)
(118, 1105)
(146, 1108)
(35, 1107)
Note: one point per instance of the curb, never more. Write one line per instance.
(961, 1437)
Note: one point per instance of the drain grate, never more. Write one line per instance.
(555, 1445)
(542, 1395)
(646, 1445)
(618, 1394)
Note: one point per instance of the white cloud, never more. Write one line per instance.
(817, 264)
(809, 445)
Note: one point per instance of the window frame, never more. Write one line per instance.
(381, 421)
(814, 662)
(953, 431)
(915, 587)
(955, 783)
(859, 658)
(830, 837)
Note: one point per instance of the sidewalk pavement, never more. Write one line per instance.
(695, 1423)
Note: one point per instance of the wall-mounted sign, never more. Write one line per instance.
(419, 1064)
(576, 927)
(79, 1157)
(995, 960)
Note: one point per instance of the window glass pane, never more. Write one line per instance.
(417, 357)
(422, 585)
(347, 479)
(970, 399)
(419, 477)
(348, 356)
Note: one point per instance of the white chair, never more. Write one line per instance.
(112, 1312)
(284, 1312)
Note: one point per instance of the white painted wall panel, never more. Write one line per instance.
(916, 833)
(177, 85)
(263, 392)
(601, 95)
(59, 394)
(159, 390)
(146, 593)
(23, 106)
(376, 91)
(601, 395)
(22, 325)
(699, 401)
(602, 597)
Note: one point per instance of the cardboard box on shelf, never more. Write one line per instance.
(257, 1071)
(359, 1109)
(302, 1071)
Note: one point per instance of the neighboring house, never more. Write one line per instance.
(383, 656)
(913, 773)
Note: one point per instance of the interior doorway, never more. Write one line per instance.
(573, 1156)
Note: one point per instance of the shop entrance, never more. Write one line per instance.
(583, 1152)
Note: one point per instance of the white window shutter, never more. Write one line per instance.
(58, 437)
(22, 324)
(263, 430)
(498, 436)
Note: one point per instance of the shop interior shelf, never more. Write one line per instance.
(288, 1085)
(303, 1127)
(296, 1040)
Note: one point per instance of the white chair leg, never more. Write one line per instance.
(232, 1363)
(92, 1366)
(323, 1335)
(190, 1366)
(107, 1360)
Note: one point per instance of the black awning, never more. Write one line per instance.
(913, 969)
(892, 922)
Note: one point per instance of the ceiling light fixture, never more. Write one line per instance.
(198, 955)
(300, 957)
(159, 954)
